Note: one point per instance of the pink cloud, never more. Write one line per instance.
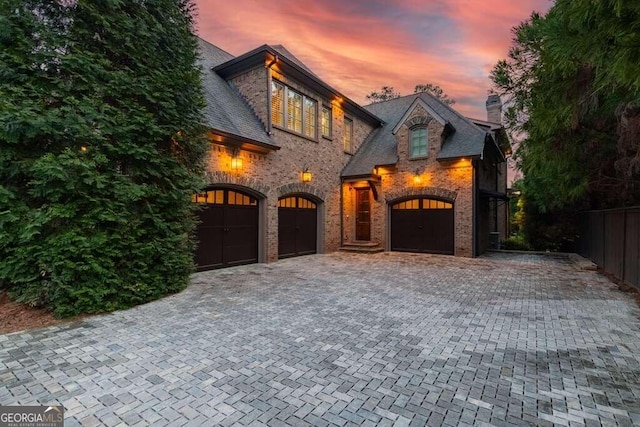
(357, 47)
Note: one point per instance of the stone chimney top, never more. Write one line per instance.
(494, 109)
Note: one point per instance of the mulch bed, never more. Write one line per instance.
(17, 317)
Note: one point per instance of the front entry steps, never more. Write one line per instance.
(362, 247)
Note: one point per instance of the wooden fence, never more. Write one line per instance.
(611, 239)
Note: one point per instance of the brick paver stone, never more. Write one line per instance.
(348, 339)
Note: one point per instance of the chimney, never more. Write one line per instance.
(494, 109)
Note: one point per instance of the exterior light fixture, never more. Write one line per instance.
(417, 180)
(83, 148)
(236, 161)
(272, 62)
(306, 175)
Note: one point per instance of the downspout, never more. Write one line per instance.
(268, 71)
(474, 207)
(341, 213)
(495, 201)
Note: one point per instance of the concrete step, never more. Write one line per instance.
(362, 247)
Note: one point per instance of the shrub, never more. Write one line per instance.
(101, 145)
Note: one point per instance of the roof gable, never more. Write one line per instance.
(380, 148)
(418, 102)
(289, 65)
(225, 112)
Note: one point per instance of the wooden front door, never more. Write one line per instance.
(363, 214)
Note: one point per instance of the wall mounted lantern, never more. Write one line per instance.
(236, 161)
(417, 179)
(306, 175)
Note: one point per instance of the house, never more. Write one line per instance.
(297, 168)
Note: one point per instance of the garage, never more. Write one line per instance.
(297, 226)
(228, 230)
(422, 225)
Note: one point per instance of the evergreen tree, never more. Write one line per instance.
(436, 91)
(101, 145)
(385, 94)
(572, 81)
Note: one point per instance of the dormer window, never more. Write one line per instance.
(293, 111)
(418, 142)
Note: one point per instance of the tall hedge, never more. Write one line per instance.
(101, 145)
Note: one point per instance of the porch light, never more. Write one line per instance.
(306, 175)
(236, 161)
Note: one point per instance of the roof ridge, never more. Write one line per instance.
(392, 99)
(444, 104)
(216, 46)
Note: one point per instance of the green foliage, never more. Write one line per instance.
(567, 78)
(436, 91)
(385, 94)
(101, 145)
(515, 243)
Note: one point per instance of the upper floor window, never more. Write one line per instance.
(418, 142)
(326, 121)
(347, 136)
(292, 110)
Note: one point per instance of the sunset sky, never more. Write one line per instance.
(359, 46)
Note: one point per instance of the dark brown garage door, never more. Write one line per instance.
(228, 230)
(422, 225)
(297, 227)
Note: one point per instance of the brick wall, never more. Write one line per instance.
(279, 172)
(438, 179)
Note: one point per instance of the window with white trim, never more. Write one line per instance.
(418, 142)
(293, 111)
(326, 121)
(347, 136)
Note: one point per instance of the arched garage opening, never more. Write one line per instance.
(422, 224)
(298, 229)
(228, 231)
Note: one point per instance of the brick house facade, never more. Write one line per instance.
(271, 119)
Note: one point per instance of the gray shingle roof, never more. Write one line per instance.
(379, 148)
(225, 110)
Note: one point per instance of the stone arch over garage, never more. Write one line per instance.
(300, 188)
(231, 180)
(432, 192)
(312, 194)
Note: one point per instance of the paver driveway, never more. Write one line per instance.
(348, 339)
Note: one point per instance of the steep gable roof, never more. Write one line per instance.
(418, 102)
(225, 110)
(465, 140)
(286, 63)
